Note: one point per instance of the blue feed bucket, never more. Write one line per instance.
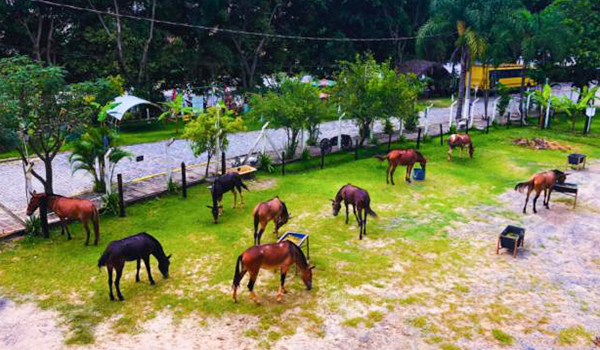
(418, 174)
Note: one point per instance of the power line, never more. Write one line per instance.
(232, 31)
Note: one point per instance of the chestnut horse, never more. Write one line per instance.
(271, 256)
(460, 140)
(69, 208)
(402, 157)
(272, 210)
(225, 183)
(137, 247)
(539, 182)
(360, 201)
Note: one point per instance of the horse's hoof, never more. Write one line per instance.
(112, 298)
(152, 283)
(121, 299)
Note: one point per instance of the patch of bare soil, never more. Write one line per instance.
(551, 286)
(541, 144)
(261, 184)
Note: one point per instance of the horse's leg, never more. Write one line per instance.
(137, 272)
(86, 226)
(544, 203)
(355, 215)
(260, 233)
(242, 274)
(392, 173)
(234, 197)
(449, 157)
(253, 276)
(284, 271)
(409, 171)
(387, 173)
(147, 263)
(548, 201)
(346, 205)
(526, 200)
(365, 221)
(118, 281)
(110, 283)
(241, 196)
(537, 195)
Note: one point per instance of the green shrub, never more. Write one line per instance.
(266, 163)
(502, 337)
(111, 203)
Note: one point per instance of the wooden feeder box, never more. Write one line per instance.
(511, 238)
(576, 161)
(569, 189)
(245, 171)
(297, 238)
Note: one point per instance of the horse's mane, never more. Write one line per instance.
(303, 262)
(285, 210)
(419, 154)
(558, 172)
(160, 248)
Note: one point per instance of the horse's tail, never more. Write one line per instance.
(104, 257)
(524, 185)
(237, 277)
(96, 222)
(370, 212)
(256, 221)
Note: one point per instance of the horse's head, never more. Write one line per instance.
(163, 266)
(285, 215)
(336, 206)
(560, 176)
(34, 203)
(307, 277)
(215, 211)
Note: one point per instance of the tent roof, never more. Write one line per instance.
(126, 102)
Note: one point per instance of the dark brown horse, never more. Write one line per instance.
(69, 208)
(137, 247)
(271, 256)
(225, 183)
(460, 141)
(272, 210)
(361, 205)
(539, 182)
(402, 157)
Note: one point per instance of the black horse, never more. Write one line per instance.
(136, 247)
(361, 205)
(224, 183)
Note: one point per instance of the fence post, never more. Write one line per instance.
(441, 135)
(356, 151)
(467, 128)
(508, 121)
(223, 163)
(418, 138)
(183, 181)
(44, 217)
(389, 142)
(121, 201)
(487, 126)
(283, 163)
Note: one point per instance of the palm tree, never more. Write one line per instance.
(463, 18)
(88, 155)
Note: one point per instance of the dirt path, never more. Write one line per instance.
(546, 298)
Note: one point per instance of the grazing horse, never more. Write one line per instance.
(271, 256)
(402, 157)
(459, 140)
(69, 208)
(360, 201)
(137, 247)
(224, 183)
(272, 210)
(539, 182)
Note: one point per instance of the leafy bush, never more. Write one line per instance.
(172, 186)
(111, 203)
(504, 94)
(266, 163)
(33, 226)
(305, 155)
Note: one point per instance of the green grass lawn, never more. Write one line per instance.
(439, 102)
(62, 275)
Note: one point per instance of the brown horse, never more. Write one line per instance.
(402, 157)
(271, 256)
(272, 210)
(69, 208)
(539, 182)
(360, 201)
(459, 140)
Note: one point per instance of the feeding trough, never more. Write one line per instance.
(576, 161)
(511, 238)
(418, 174)
(298, 239)
(569, 189)
(245, 171)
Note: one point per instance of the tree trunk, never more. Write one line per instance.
(461, 83)
(48, 181)
(486, 100)
(207, 164)
(122, 66)
(144, 61)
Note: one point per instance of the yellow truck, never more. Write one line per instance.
(507, 74)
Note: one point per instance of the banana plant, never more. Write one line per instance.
(574, 109)
(175, 108)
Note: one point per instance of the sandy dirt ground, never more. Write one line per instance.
(551, 285)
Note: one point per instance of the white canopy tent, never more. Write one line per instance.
(126, 102)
